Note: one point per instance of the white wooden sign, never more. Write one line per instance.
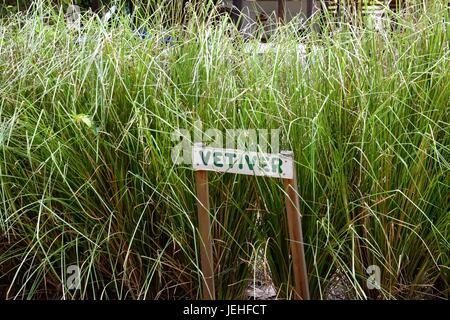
(242, 162)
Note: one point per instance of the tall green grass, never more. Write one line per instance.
(86, 121)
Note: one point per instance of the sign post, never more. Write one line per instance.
(281, 165)
(201, 180)
(296, 235)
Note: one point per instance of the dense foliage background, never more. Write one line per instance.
(86, 177)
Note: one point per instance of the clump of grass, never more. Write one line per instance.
(85, 155)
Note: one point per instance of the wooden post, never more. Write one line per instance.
(296, 235)
(281, 11)
(309, 8)
(95, 6)
(201, 180)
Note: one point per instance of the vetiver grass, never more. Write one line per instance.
(86, 121)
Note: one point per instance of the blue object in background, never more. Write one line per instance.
(128, 10)
(143, 34)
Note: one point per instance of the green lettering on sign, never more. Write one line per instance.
(208, 153)
(217, 157)
(242, 162)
